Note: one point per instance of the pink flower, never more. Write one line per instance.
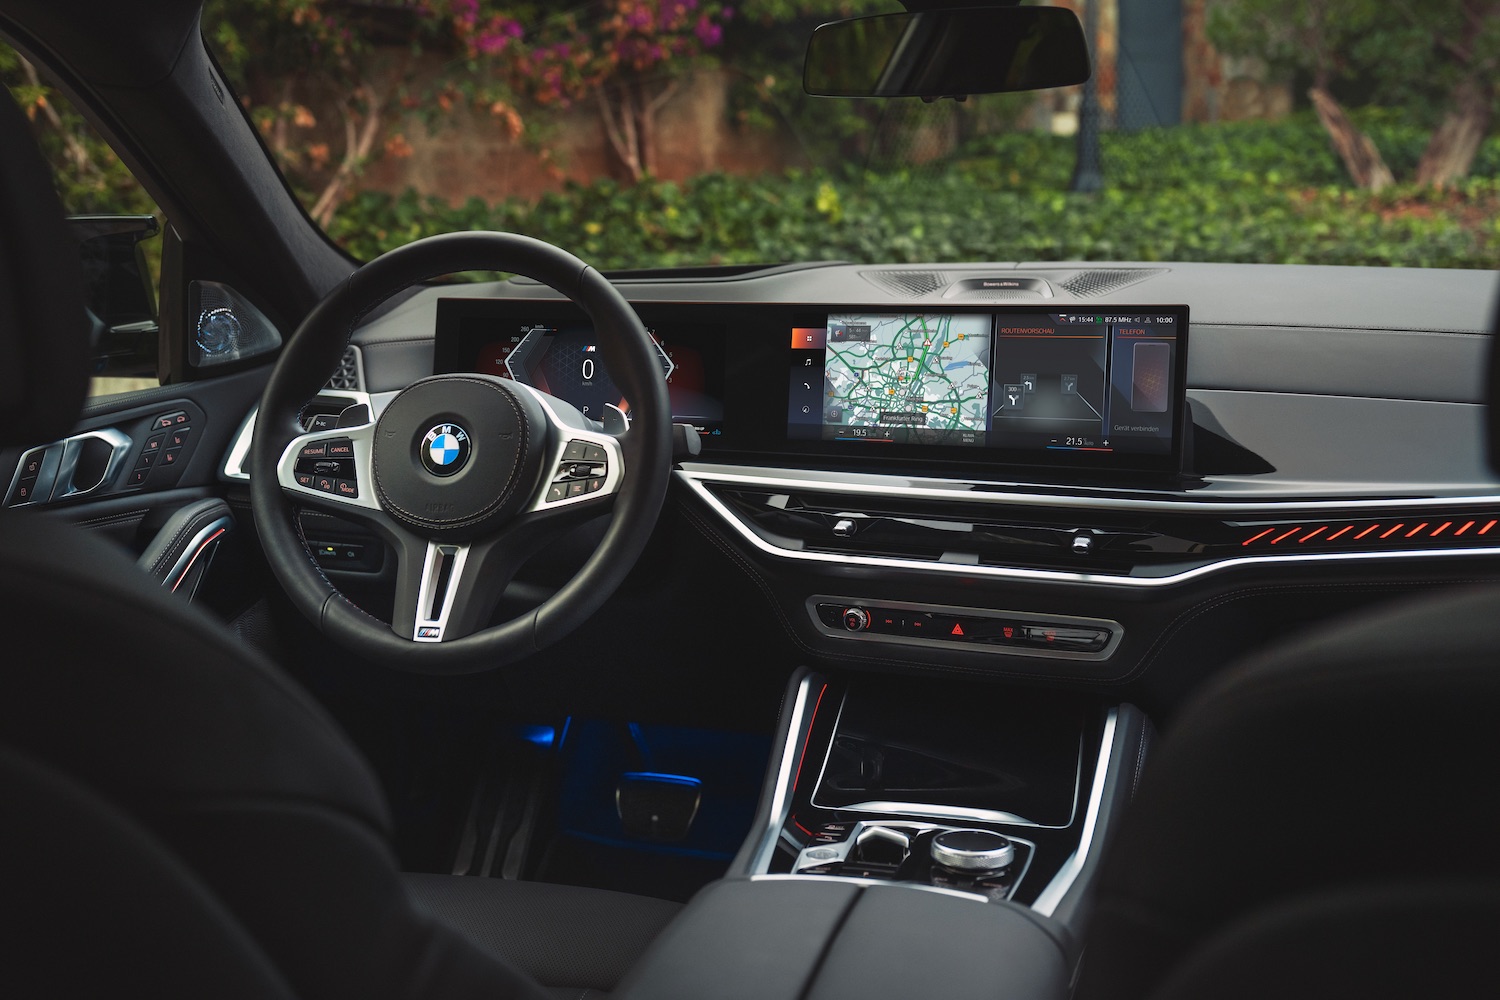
(708, 33)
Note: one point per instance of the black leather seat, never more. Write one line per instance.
(1321, 822)
(169, 797)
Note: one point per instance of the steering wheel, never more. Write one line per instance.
(467, 476)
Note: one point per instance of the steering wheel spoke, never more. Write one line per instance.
(331, 469)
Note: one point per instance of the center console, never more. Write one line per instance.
(913, 839)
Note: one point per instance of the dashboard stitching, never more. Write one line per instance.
(499, 501)
(99, 522)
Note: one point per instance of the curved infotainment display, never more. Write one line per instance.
(973, 385)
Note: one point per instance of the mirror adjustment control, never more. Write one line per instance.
(856, 619)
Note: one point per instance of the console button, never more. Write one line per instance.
(154, 443)
(31, 465)
(25, 491)
(137, 477)
(169, 420)
(170, 456)
(147, 459)
(178, 437)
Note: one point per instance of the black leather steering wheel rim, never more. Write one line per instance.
(315, 350)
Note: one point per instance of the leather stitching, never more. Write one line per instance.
(505, 494)
(193, 525)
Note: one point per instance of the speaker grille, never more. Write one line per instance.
(1088, 284)
(346, 376)
(907, 284)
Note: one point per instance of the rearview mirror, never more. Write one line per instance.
(947, 53)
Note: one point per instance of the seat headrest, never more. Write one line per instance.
(44, 347)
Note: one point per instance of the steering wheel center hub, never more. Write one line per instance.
(457, 454)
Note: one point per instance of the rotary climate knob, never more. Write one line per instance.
(856, 619)
(972, 852)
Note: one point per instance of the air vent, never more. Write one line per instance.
(907, 284)
(1088, 284)
(347, 375)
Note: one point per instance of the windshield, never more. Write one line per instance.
(652, 133)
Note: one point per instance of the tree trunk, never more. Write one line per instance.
(1451, 151)
(1361, 157)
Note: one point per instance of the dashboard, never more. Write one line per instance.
(1143, 470)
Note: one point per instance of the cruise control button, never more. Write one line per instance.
(318, 449)
(557, 491)
(346, 488)
(324, 484)
(576, 487)
(305, 479)
(341, 448)
(595, 485)
(595, 453)
(574, 452)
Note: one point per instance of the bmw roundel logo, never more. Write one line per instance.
(445, 449)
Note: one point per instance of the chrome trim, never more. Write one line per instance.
(427, 588)
(1115, 629)
(970, 861)
(234, 462)
(695, 482)
(119, 443)
(931, 811)
(918, 886)
(1049, 898)
(191, 551)
(948, 489)
(363, 439)
(760, 862)
(571, 425)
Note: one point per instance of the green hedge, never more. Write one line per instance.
(1252, 192)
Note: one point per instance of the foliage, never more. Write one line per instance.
(1213, 192)
(1432, 60)
(90, 178)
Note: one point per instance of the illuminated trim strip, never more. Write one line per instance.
(1056, 576)
(696, 483)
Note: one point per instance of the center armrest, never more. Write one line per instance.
(821, 939)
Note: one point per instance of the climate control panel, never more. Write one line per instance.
(1019, 632)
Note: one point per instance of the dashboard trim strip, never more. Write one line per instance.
(697, 483)
(1049, 898)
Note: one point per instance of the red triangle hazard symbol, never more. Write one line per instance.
(957, 629)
